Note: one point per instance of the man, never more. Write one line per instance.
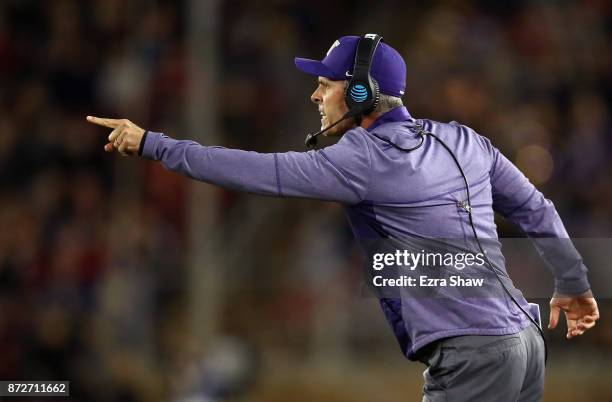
(476, 348)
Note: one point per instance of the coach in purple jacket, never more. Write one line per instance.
(476, 348)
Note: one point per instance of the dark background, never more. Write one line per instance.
(138, 285)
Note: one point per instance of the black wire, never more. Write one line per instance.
(397, 146)
(422, 133)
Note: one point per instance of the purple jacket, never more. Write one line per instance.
(389, 193)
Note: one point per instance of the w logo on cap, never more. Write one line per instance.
(335, 44)
(358, 93)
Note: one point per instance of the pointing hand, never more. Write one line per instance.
(125, 137)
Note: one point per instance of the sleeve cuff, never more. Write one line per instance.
(148, 145)
(142, 141)
(572, 287)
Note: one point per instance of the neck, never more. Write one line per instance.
(366, 121)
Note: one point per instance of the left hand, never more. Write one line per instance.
(125, 137)
(581, 312)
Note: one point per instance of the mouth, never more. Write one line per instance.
(323, 117)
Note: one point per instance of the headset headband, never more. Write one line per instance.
(365, 54)
(362, 93)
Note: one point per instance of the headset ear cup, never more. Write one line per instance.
(362, 97)
(362, 92)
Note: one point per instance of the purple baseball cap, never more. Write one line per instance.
(388, 66)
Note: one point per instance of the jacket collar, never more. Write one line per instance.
(394, 115)
(396, 127)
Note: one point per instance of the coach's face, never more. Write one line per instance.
(329, 97)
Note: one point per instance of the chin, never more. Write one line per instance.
(330, 133)
(337, 131)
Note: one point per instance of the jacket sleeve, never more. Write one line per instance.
(518, 200)
(336, 173)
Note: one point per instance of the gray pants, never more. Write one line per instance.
(485, 368)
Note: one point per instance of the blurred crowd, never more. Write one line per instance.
(93, 247)
(89, 270)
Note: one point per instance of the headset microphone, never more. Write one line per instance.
(311, 139)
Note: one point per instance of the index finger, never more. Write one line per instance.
(110, 123)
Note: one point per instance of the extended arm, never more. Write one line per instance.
(336, 173)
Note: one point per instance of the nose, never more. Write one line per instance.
(316, 96)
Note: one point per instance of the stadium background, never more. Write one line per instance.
(139, 285)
